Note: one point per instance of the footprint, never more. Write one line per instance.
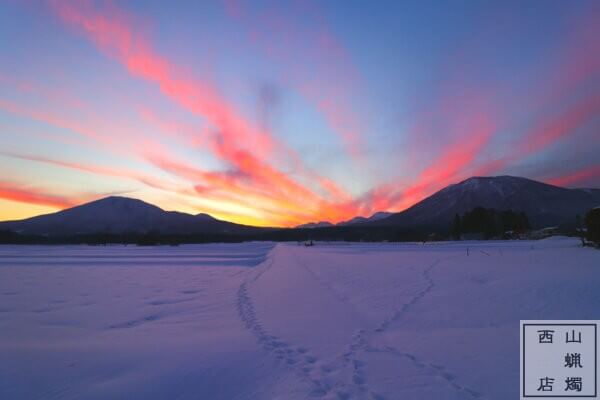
(311, 359)
(279, 344)
(377, 396)
(343, 395)
(447, 376)
(472, 393)
(358, 379)
(320, 388)
(326, 369)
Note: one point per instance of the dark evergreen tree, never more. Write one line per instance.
(579, 229)
(592, 222)
(494, 223)
(456, 227)
(521, 223)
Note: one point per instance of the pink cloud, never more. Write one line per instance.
(576, 177)
(22, 194)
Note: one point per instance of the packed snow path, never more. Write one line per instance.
(266, 321)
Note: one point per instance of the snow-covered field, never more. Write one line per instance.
(280, 321)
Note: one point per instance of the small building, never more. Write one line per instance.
(544, 232)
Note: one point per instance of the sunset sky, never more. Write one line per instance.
(280, 113)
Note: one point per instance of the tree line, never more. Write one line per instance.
(489, 223)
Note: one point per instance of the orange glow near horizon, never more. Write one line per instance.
(280, 122)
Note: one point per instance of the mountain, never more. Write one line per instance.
(380, 215)
(360, 220)
(545, 205)
(354, 221)
(120, 215)
(311, 225)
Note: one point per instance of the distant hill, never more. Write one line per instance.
(311, 225)
(545, 205)
(354, 221)
(360, 220)
(118, 215)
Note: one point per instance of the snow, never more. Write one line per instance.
(281, 321)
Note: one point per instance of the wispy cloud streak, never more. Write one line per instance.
(30, 195)
(576, 177)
